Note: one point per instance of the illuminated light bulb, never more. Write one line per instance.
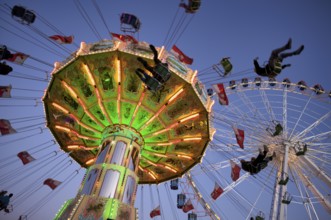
(192, 139)
(59, 107)
(71, 91)
(184, 156)
(62, 128)
(189, 117)
(118, 69)
(193, 76)
(171, 169)
(73, 147)
(90, 161)
(176, 95)
(89, 74)
(152, 175)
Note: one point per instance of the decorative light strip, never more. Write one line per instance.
(167, 155)
(184, 156)
(150, 162)
(173, 125)
(81, 147)
(213, 131)
(192, 139)
(62, 128)
(174, 96)
(189, 117)
(148, 172)
(160, 165)
(102, 107)
(118, 70)
(137, 107)
(193, 76)
(62, 109)
(170, 142)
(163, 144)
(89, 74)
(89, 161)
(210, 104)
(160, 52)
(119, 103)
(170, 168)
(89, 114)
(59, 107)
(71, 91)
(151, 174)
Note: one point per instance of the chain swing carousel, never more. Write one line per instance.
(103, 115)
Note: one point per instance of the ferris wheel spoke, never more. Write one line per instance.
(256, 114)
(312, 126)
(267, 105)
(318, 137)
(316, 170)
(301, 114)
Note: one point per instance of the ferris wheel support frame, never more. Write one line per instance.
(201, 200)
(279, 209)
(326, 203)
(316, 170)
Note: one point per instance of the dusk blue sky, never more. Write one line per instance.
(239, 29)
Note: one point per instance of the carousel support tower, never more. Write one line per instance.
(103, 115)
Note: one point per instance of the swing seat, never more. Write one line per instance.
(163, 73)
(278, 130)
(283, 181)
(287, 198)
(5, 69)
(302, 151)
(260, 216)
(23, 15)
(286, 201)
(194, 5)
(227, 66)
(154, 85)
(129, 23)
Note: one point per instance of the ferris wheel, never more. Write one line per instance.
(296, 180)
(173, 151)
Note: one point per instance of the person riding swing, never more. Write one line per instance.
(274, 66)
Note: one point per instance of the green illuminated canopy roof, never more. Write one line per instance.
(97, 88)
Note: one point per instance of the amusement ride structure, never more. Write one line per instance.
(100, 111)
(183, 139)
